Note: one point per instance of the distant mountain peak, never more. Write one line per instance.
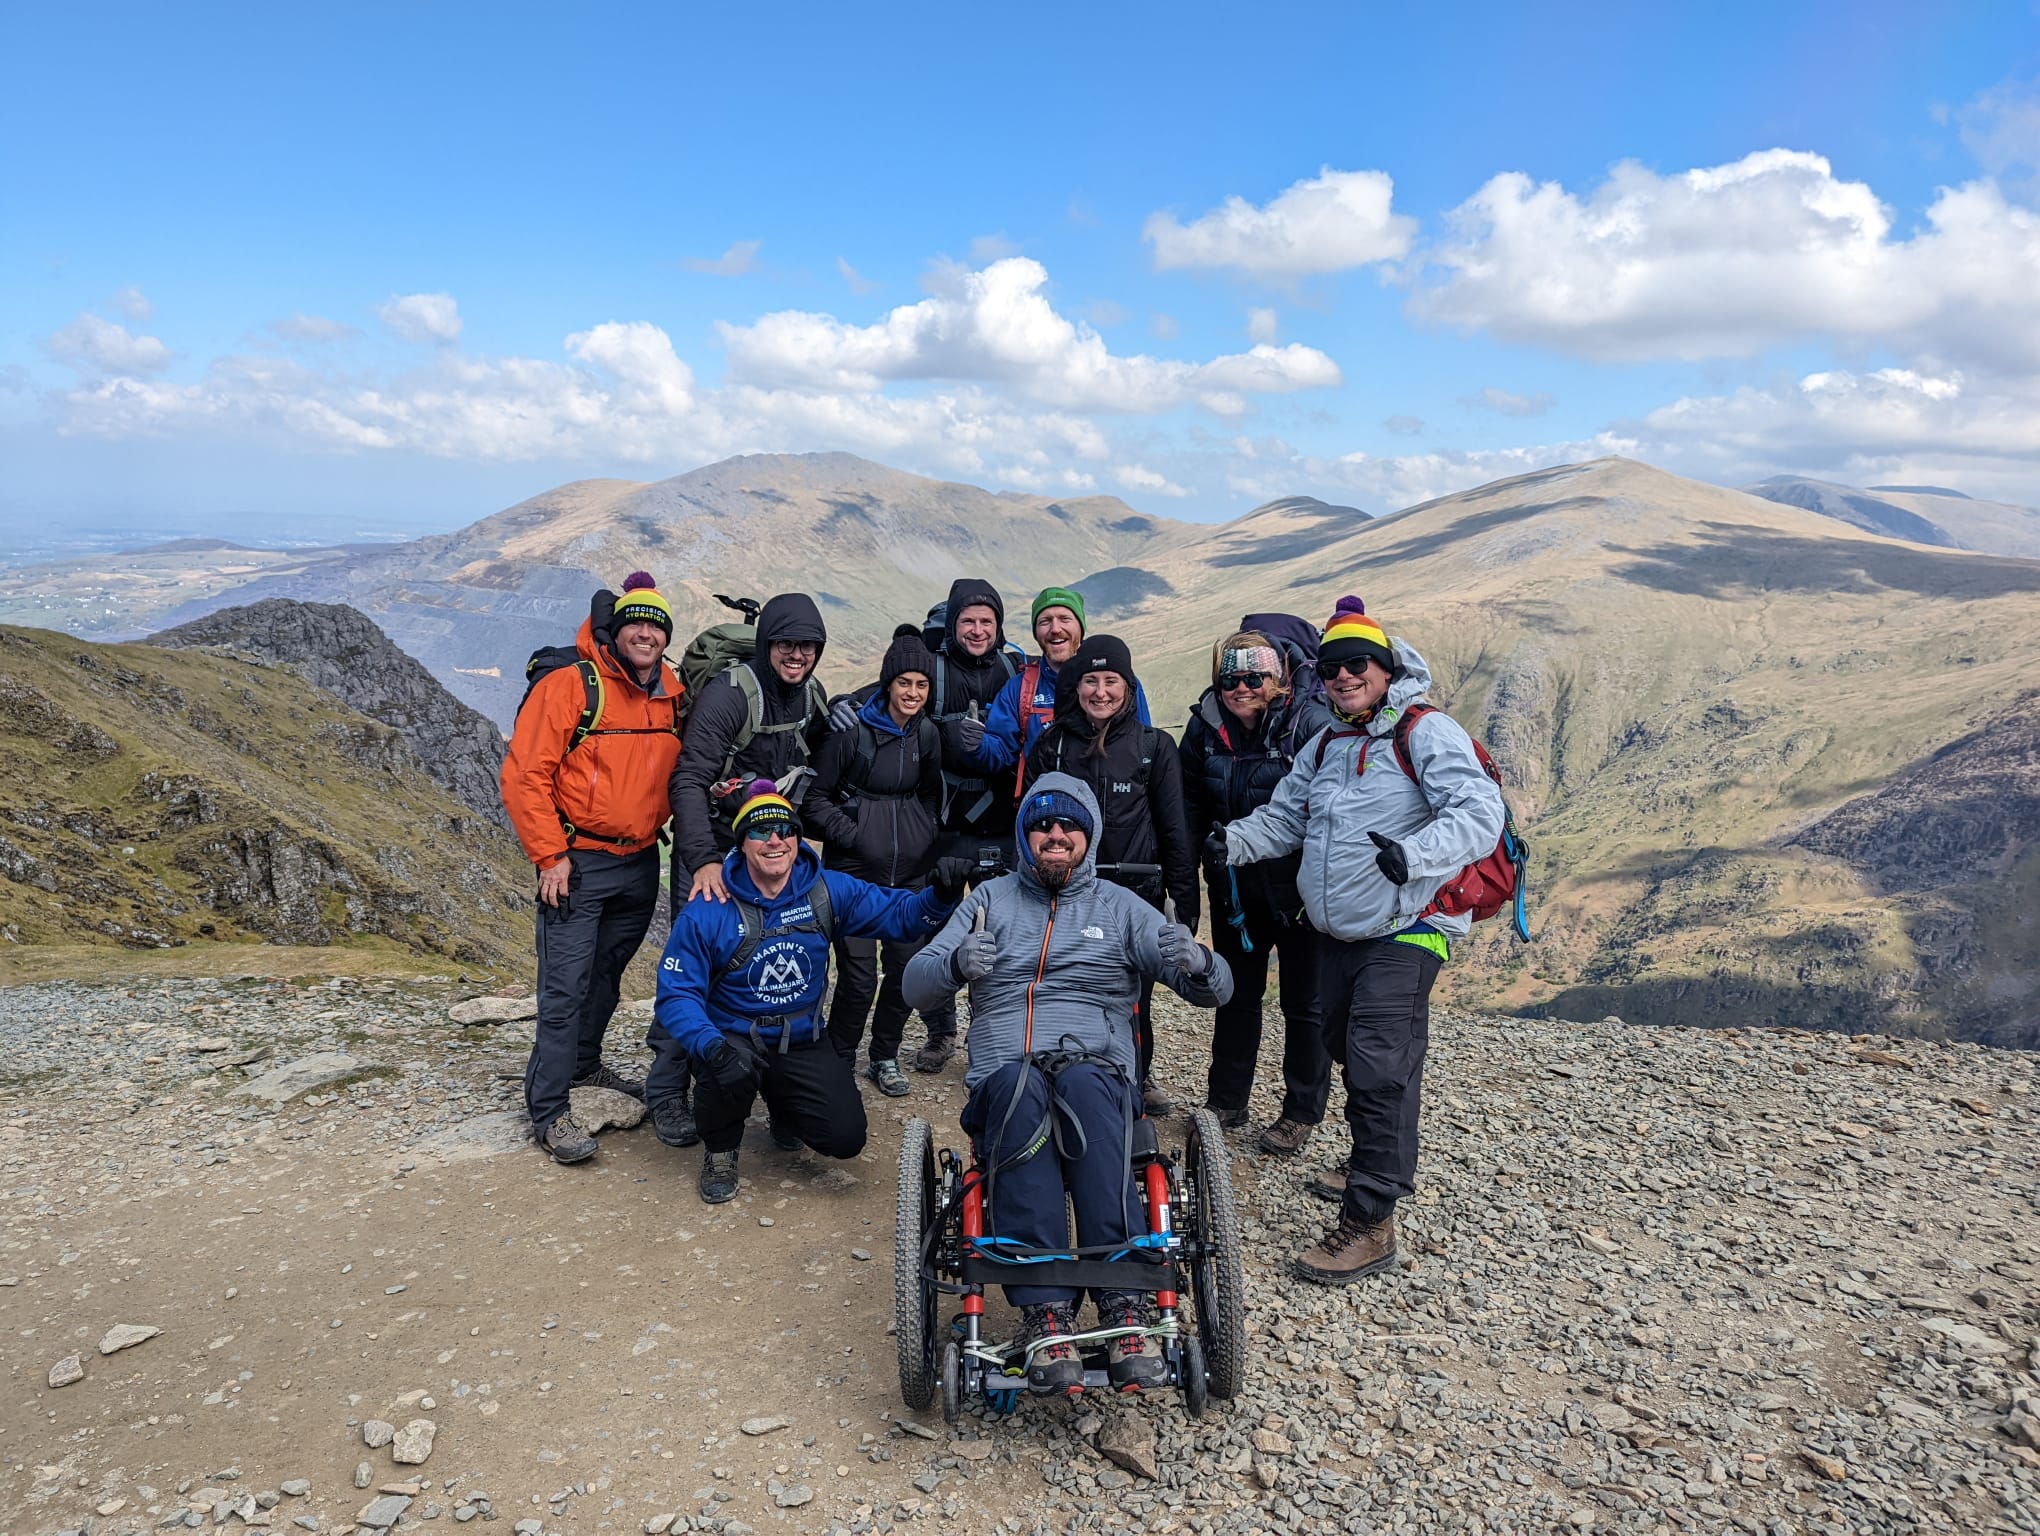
(1308, 506)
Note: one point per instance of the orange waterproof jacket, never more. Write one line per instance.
(612, 787)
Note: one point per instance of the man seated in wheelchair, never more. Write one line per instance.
(1055, 969)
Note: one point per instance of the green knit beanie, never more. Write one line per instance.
(1058, 597)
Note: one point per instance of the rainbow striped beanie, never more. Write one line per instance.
(1350, 635)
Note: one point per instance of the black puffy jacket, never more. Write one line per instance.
(1230, 770)
(1138, 782)
(701, 831)
(876, 798)
(975, 803)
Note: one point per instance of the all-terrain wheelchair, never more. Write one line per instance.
(941, 1249)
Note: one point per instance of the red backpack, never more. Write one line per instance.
(1488, 884)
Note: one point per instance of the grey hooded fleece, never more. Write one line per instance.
(1328, 809)
(1070, 965)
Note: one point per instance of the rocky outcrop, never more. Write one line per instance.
(334, 647)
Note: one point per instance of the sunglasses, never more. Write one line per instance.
(767, 834)
(1056, 824)
(1332, 669)
(1227, 681)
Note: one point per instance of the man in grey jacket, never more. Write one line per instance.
(1055, 958)
(1386, 812)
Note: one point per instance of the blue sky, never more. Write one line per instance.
(375, 269)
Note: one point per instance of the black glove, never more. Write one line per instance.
(735, 1070)
(1215, 849)
(949, 876)
(1393, 864)
(970, 733)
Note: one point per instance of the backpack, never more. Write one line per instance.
(548, 659)
(1030, 684)
(752, 916)
(725, 650)
(1488, 884)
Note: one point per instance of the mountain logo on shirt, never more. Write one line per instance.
(780, 973)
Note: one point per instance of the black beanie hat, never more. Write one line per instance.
(1100, 653)
(907, 653)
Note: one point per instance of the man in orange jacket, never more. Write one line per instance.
(588, 798)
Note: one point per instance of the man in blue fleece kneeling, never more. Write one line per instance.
(740, 989)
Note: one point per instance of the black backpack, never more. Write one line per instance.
(548, 659)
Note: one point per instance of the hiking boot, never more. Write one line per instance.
(1329, 1185)
(1054, 1367)
(606, 1076)
(782, 1138)
(1285, 1138)
(719, 1177)
(565, 1141)
(673, 1123)
(1228, 1119)
(1349, 1251)
(1154, 1099)
(934, 1056)
(892, 1082)
(1133, 1361)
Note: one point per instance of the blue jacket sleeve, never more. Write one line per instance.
(1140, 706)
(866, 911)
(694, 953)
(1001, 746)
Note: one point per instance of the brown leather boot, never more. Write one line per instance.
(1285, 1138)
(1349, 1251)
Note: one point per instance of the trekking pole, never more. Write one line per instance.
(1238, 916)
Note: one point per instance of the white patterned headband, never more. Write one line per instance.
(1256, 658)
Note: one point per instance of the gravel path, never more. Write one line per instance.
(1653, 1281)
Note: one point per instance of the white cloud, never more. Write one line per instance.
(1262, 325)
(134, 303)
(1405, 426)
(1165, 327)
(311, 328)
(2002, 129)
(859, 283)
(740, 258)
(1503, 403)
(93, 345)
(1727, 260)
(423, 317)
(1338, 220)
(1139, 477)
(997, 326)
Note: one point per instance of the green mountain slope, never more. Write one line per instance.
(158, 797)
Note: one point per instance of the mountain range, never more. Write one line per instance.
(1922, 514)
(1718, 713)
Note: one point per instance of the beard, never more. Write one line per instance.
(1054, 877)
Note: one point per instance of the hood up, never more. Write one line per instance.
(968, 592)
(1087, 868)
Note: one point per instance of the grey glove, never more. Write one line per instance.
(843, 714)
(970, 733)
(972, 959)
(1181, 952)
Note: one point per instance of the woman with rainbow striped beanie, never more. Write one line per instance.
(1385, 813)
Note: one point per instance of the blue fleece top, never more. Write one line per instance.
(1003, 745)
(878, 715)
(789, 972)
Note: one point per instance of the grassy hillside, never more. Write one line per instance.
(156, 797)
(1676, 679)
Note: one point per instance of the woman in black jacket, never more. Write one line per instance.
(1262, 708)
(1134, 772)
(875, 803)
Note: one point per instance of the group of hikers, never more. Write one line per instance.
(1016, 825)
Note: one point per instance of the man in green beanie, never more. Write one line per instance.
(1027, 703)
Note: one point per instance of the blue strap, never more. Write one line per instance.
(1238, 919)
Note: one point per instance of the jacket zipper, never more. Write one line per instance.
(1040, 970)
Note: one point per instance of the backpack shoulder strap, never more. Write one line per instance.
(1330, 735)
(592, 701)
(745, 681)
(824, 908)
(752, 918)
(865, 757)
(1403, 727)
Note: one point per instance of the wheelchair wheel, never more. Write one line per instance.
(914, 1311)
(1196, 1390)
(952, 1381)
(1217, 1282)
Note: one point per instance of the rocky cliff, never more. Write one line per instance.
(157, 797)
(333, 647)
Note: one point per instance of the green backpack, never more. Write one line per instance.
(725, 650)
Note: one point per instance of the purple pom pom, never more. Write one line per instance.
(638, 579)
(1349, 604)
(760, 787)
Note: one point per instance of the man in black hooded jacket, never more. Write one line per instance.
(792, 717)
